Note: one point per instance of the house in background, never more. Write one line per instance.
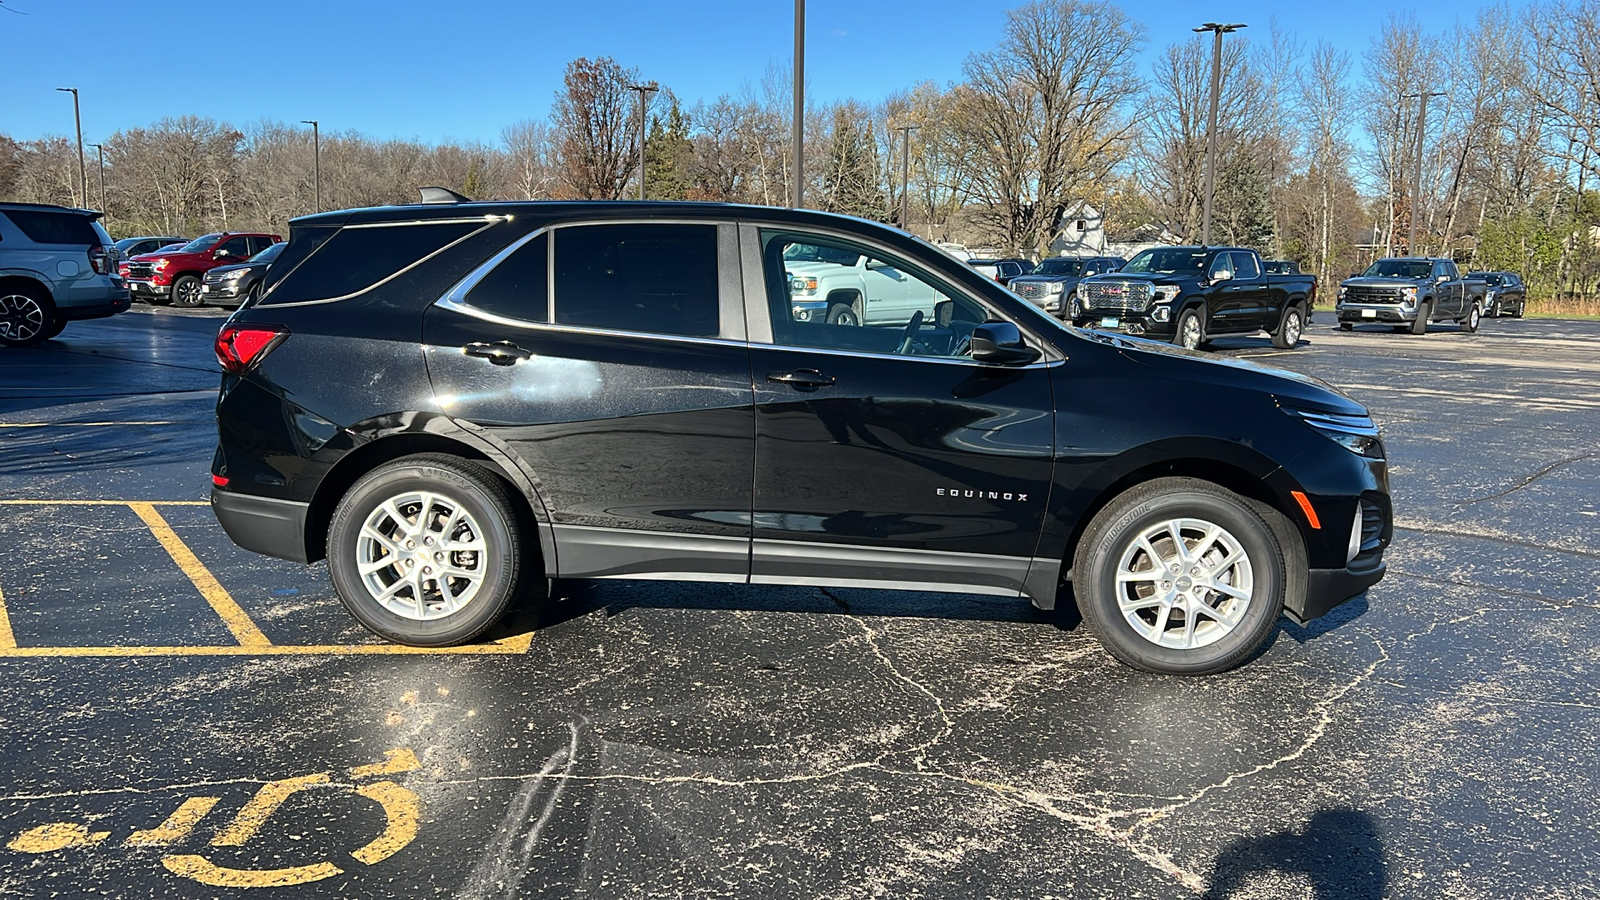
(1081, 232)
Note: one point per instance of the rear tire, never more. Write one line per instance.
(428, 515)
(1290, 327)
(1209, 613)
(27, 317)
(1470, 323)
(1420, 326)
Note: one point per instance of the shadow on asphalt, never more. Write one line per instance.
(1339, 851)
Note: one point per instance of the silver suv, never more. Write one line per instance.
(56, 265)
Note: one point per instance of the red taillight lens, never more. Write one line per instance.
(98, 261)
(219, 480)
(240, 347)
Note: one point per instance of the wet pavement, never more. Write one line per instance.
(179, 718)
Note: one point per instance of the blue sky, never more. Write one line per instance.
(452, 70)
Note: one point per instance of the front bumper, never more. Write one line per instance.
(1328, 588)
(809, 310)
(262, 524)
(1138, 324)
(1374, 312)
(219, 290)
(145, 290)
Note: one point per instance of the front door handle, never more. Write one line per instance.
(501, 353)
(802, 379)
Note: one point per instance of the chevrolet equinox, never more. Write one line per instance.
(454, 402)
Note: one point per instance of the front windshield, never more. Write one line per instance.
(201, 243)
(1490, 277)
(1399, 268)
(1167, 261)
(269, 254)
(814, 253)
(1058, 266)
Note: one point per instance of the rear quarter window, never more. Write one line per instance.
(323, 264)
(45, 227)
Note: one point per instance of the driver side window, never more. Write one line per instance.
(831, 295)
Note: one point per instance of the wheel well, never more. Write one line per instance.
(363, 459)
(1219, 473)
(18, 282)
(845, 295)
(200, 275)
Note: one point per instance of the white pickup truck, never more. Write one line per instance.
(836, 286)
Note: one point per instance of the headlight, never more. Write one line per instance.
(1358, 434)
(1163, 293)
(1342, 291)
(161, 265)
(1408, 295)
(1488, 295)
(235, 275)
(1055, 287)
(802, 287)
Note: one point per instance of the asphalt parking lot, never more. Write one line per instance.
(180, 718)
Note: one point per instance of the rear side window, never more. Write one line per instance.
(658, 279)
(517, 288)
(355, 258)
(1244, 266)
(46, 227)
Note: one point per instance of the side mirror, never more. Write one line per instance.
(1224, 275)
(220, 254)
(1000, 344)
(1441, 278)
(944, 312)
(874, 265)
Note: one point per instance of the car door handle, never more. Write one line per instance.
(501, 353)
(804, 379)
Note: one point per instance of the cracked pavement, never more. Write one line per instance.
(1435, 738)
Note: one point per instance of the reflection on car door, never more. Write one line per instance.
(885, 463)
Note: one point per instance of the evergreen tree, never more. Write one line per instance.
(850, 183)
(668, 156)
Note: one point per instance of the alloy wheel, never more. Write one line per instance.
(21, 317)
(421, 555)
(1184, 583)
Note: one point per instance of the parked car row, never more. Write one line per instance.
(56, 266)
(175, 275)
(1408, 293)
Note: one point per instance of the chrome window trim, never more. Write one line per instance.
(455, 221)
(728, 320)
(1042, 363)
(488, 222)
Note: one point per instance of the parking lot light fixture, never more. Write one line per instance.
(644, 104)
(83, 170)
(1211, 121)
(796, 199)
(316, 158)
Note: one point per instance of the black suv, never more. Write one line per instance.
(455, 402)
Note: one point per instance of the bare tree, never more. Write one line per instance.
(599, 145)
(530, 147)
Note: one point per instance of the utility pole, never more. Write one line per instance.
(905, 174)
(796, 196)
(100, 149)
(1211, 122)
(316, 158)
(83, 170)
(1416, 172)
(643, 90)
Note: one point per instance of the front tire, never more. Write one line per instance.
(1180, 576)
(27, 317)
(843, 314)
(1190, 333)
(1424, 312)
(186, 292)
(1289, 329)
(1347, 326)
(427, 550)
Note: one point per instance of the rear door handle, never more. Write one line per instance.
(803, 379)
(501, 353)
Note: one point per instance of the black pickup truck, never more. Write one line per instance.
(1408, 292)
(1189, 295)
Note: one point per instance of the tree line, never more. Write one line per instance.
(1317, 152)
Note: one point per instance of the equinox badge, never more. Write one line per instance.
(981, 495)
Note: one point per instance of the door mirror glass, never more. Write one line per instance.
(1222, 275)
(1001, 344)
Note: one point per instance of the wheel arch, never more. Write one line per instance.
(848, 295)
(375, 452)
(17, 280)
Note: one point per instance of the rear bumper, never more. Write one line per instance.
(263, 525)
(1327, 588)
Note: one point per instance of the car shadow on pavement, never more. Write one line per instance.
(1339, 852)
(1335, 618)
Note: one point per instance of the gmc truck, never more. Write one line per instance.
(1406, 293)
(174, 276)
(1189, 295)
(841, 287)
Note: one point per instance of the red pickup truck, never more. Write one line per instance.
(174, 276)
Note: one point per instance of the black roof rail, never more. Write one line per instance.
(442, 195)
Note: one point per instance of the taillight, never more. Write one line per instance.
(239, 347)
(98, 260)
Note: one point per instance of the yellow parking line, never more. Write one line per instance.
(507, 647)
(244, 630)
(8, 640)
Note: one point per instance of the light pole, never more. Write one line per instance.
(1416, 172)
(316, 158)
(83, 170)
(1211, 121)
(799, 129)
(101, 150)
(905, 174)
(643, 89)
